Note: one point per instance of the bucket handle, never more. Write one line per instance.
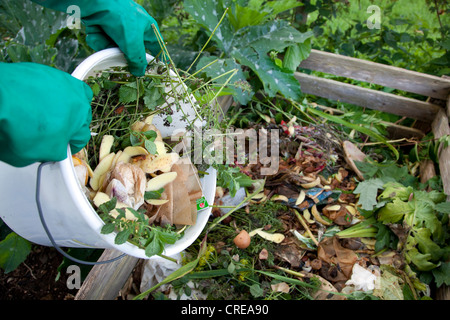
(47, 231)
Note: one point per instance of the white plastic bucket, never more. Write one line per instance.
(69, 216)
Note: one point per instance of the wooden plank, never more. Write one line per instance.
(367, 98)
(225, 102)
(104, 281)
(385, 75)
(395, 130)
(440, 128)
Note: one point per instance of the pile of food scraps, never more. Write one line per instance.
(326, 226)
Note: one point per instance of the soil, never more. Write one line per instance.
(36, 278)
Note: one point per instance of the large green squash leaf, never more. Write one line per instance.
(208, 14)
(254, 36)
(273, 35)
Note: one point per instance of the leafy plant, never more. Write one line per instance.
(405, 217)
(405, 38)
(247, 39)
(139, 232)
(231, 178)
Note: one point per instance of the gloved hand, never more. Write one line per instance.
(111, 23)
(42, 111)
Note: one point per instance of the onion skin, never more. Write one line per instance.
(242, 240)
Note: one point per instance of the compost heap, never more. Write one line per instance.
(129, 173)
(315, 180)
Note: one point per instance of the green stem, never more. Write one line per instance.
(220, 219)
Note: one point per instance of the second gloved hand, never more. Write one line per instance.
(42, 111)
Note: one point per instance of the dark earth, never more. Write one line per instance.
(37, 278)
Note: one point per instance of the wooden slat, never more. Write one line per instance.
(104, 281)
(367, 98)
(377, 73)
(441, 128)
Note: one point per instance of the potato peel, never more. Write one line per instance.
(100, 170)
(318, 217)
(160, 181)
(274, 237)
(105, 146)
(312, 184)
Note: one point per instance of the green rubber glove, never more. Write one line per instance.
(42, 111)
(112, 23)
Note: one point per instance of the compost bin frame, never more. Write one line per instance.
(105, 281)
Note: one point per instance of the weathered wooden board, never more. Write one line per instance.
(367, 98)
(440, 128)
(377, 73)
(104, 281)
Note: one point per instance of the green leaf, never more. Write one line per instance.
(135, 138)
(153, 194)
(167, 236)
(396, 190)
(128, 92)
(122, 213)
(122, 236)
(442, 274)
(443, 207)
(295, 54)
(255, 12)
(368, 169)
(13, 251)
(18, 53)
(432, 197)
(424, 216)
(368, 191)
(422, 237)
(421, 261)
(150, 146)
(244, 16)
(150, 135)
(108, 228)
(256, 290)
(383, 237)
(153, 97)
(273, 79)
(273, 35)
(395, 211)
(208, 14)
(106, 207)
(154, 248)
